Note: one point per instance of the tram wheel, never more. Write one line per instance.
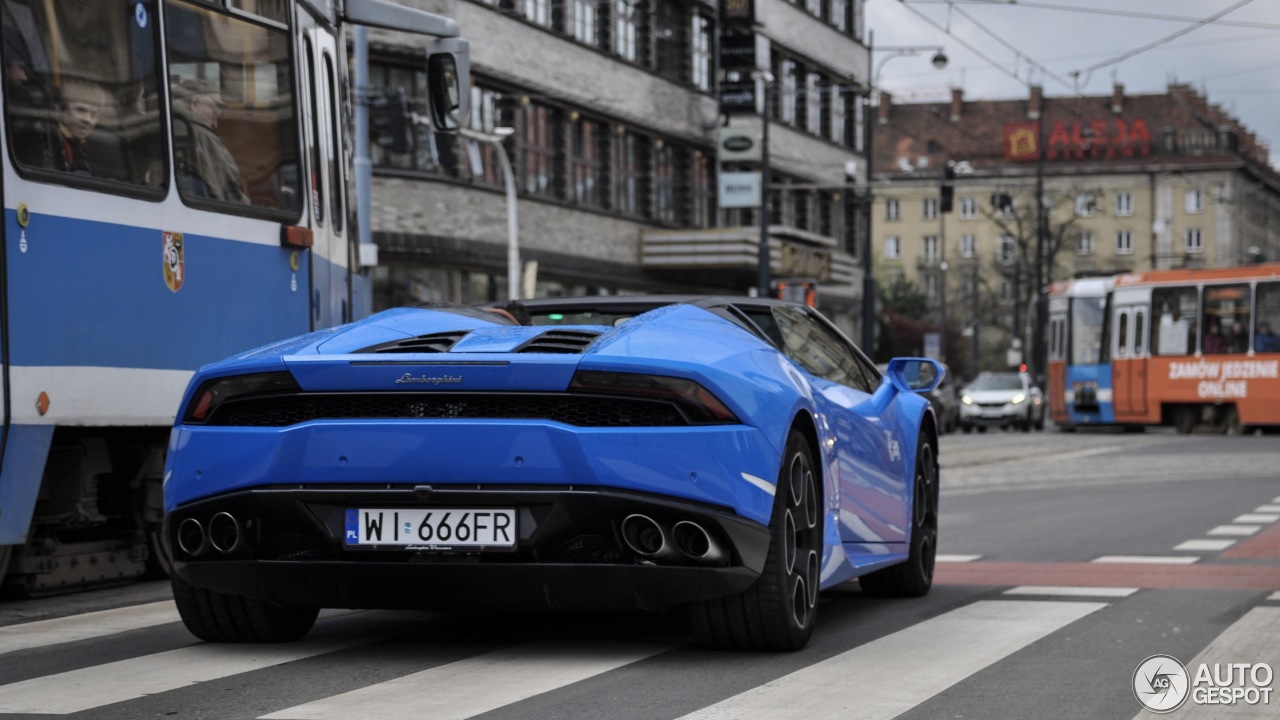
(1184, 420)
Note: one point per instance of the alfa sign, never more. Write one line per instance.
(739, 189)
(739, 145)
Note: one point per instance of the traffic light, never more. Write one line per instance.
(391, 121)
(948, 188)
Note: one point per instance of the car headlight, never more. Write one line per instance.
(966, 399)
(1018, 398)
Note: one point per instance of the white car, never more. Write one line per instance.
(1004, 399)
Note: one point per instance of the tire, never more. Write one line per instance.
(914, 577)
(159, 563)
(1231, 422)
(218, 617)
(780, 608)
(982, 428)
(1184, 420)
(966, 429)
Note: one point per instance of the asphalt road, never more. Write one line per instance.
(1069, 560)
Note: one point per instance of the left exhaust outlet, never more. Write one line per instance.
(191, 537)
(224, 533)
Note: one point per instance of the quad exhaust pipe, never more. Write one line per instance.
(685, 541)
(222, 535)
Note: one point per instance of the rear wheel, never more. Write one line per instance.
(217, 617)
(1184, 420)
(778, 611)
(914, 577)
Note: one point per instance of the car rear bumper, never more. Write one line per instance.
(569, 551)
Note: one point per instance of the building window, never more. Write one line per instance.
(840, 14)
(700, 51)
(664, 182)
(968, 246)
(790, 88)
(586, 168)
(813, 103)
(1195, 201)
(1085, 205)
(626, 29)
(891, 208)
(1124, 204)
(537, 151)
(859, 125)
(1195, 241)
(584, 22)
(814, 7)
(930, 252)
(930, 208)
(892, 247)
(668, 39)
(968, 208)
(626, 172)
(482, 164)
(1124, 242)
(1006, 289)
(839, 115)
(702, 209)
(1008, 249)
(537, 11)
(1084, 243)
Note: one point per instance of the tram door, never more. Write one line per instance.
(330, 261)
(1129, 355)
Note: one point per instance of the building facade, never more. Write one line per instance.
(614, 111)
(1130, 183)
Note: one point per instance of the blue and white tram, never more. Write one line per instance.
(175, 183)
(1080, 389)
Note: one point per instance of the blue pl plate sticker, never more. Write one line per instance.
(353, 526)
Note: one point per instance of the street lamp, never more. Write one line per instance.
(495, 138)
(762, 260)
(939, 61)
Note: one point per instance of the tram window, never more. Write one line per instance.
(1226, 319)
(235, 136)
(1266, 337)
(82, 93)
(314, 181)
(1087, 316)
(1139, 333)
(1122, 336)
(335, 166)
(1173, 332)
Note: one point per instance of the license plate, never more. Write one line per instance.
(432, 529)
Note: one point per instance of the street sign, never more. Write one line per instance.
(739, 145)
(739, 189)
(738, 12)
(737, 98)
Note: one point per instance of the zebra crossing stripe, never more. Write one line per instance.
(897, 672)
(82, 627)
(476, 685)
(99, 685)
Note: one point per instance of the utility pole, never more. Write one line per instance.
(762, 260)
(1038, 367)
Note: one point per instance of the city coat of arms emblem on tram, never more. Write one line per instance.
(175, 261)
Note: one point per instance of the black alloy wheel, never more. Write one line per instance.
(914, 577)
(780, 608)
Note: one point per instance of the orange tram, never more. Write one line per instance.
(1187, 348)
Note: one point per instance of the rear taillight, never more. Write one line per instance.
(696, 402)
(213, 393)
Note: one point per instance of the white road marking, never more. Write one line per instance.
(956, 558)
(475, 685)
(889, 676)
(99, 685)
(1147, 559)
(1205, 545)
(1267, 509)
(1257, 518)
(88, 625)
(1071, 591)
(1251, 639)
(1274, 596)
(1238, 530)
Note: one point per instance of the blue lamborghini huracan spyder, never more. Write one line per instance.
(731, 455)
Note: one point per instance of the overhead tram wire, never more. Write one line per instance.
(1099, 11)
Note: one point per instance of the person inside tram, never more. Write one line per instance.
(206, 168)
(1238, 340)
(1266, 340)
(1214, 342)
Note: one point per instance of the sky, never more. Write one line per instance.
(996, 48)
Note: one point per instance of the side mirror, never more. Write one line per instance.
(448, 83)
(918, 375)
